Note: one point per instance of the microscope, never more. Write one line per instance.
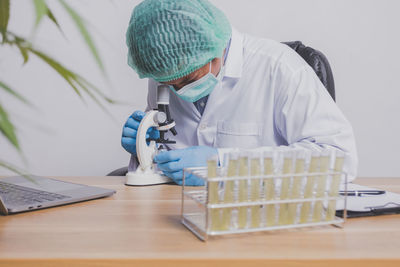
(160, 118)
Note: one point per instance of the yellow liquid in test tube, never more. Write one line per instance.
(228, 196)
(255, 170)
(243, 193)
(321, 186)
(283, 208)
(215, 219)
(296, 189)
(269, 191)
(334, 190)
(308, 191)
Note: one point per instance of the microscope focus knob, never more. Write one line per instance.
(160, 117)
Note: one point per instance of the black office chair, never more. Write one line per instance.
(313, 57)
(119, 172)
(318, 62)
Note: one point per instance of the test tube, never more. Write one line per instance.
(321, 185)
(334, 188)
(286, 169)
(229, 189)
(309, 187)
(215, 220)
(297, 182)
(255, 170)
(243, 192)
(269, 188)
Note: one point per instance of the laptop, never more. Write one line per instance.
(19, 194)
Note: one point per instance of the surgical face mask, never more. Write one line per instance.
(200, 88)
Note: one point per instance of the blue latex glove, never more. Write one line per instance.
(128, 140)
(172, 162)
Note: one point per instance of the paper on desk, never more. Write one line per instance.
(365, 203)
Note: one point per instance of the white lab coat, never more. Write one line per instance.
(269, 96)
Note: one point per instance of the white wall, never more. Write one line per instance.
(64, 136)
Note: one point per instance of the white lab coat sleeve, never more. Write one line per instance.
(151, 102)
(306, 116)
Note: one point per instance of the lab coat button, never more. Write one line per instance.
(203, 126)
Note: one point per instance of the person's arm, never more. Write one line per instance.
(306, 116)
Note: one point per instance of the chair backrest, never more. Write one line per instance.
(318, 62)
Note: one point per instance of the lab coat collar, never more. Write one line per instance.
(234, 61)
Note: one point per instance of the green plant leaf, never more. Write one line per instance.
(77, 82)
(81, 82)
(4, 17)
(16, 170)
(53, 19)
(7, 128)
(10, 167)
(22, 44)
(74, 80)
(41, 10)
(84, 83)
(24, 53)
(61, 70)
(84, 32)
(14, 93)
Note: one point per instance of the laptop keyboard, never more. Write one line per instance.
(20, 195)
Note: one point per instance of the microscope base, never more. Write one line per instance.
(143, 178)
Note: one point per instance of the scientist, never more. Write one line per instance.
(228, 90)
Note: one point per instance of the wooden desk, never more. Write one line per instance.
(140, 226)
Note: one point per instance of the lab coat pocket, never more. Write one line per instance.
(236, 134)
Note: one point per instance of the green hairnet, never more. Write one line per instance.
(168, 39)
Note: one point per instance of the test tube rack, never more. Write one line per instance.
(207, 216)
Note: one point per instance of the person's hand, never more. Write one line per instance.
(129, 132)
(172, 162)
